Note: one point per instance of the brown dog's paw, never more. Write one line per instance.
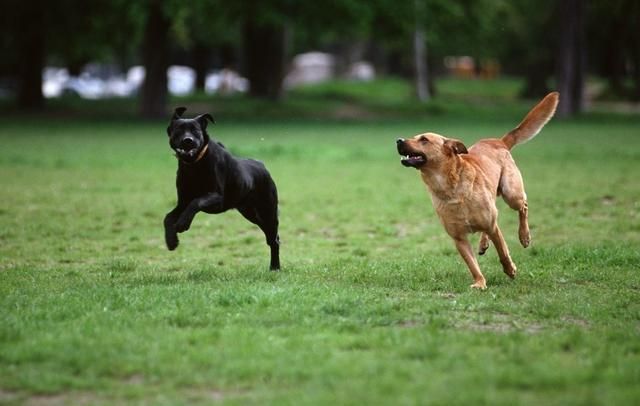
(484, 244)
(510, 271)
(482, 285)
(525, 238)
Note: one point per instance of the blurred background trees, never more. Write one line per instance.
(552, 44)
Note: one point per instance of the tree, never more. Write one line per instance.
(265, 52)
(31, 51)
(270, 28)
(209, 32)
(526, 44)
(155, 57)
(571, 59)
(66, 33)
(614, 45)
(421, 74)
(443, 27)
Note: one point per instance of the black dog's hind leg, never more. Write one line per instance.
(267, 219)
(273, 240)
(269, 213)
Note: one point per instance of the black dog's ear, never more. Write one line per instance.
(202, 120)
(177, 114)
(456, 146)
(179, 111)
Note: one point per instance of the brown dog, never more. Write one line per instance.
(464, 184)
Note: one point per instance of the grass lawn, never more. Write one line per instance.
(372, 305)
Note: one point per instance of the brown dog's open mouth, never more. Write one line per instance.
(413, 160)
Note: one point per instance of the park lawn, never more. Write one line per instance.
(372, 305)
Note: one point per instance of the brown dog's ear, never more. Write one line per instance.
(202, 120)
(455, 146)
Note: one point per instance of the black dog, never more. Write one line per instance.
(211, 180)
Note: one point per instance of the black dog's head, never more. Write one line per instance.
(188, 136)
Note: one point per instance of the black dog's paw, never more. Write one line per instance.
(172, 241)
(182, 224)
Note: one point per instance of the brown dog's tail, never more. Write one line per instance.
(533, 122)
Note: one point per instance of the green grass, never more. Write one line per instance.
(372, 305)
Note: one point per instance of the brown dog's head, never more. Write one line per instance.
(428, 149)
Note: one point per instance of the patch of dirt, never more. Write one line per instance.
(351, 111)
(214, 395)
(498, 323)
(62, 399)
(576, 322)
(408, 323)
(615, 107)
(7, 396)
(136, 379)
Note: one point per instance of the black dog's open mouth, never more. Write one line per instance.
(413, 159)
(186, 152)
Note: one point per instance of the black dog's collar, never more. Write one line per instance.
(200, 155)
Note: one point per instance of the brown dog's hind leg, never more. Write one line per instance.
(466, 252)
(512, 189)
(523, 230)
(484, 244)
(503, 252)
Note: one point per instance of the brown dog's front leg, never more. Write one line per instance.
(466, 252)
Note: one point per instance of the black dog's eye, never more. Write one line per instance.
(193, 128)
(423, 139)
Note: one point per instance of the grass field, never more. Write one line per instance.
(372, 305)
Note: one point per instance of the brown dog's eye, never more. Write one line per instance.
(423, 139)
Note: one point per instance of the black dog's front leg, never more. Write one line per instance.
(170, 234)
(211, 203)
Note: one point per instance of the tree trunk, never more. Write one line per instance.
(265, 52)
(201, 57)
(31, 50)
(614, 60)
(635, 50)
(635, 95)
(536, 82)
(420, 57)
(420, 66)
(571, 59)
(155, 55)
